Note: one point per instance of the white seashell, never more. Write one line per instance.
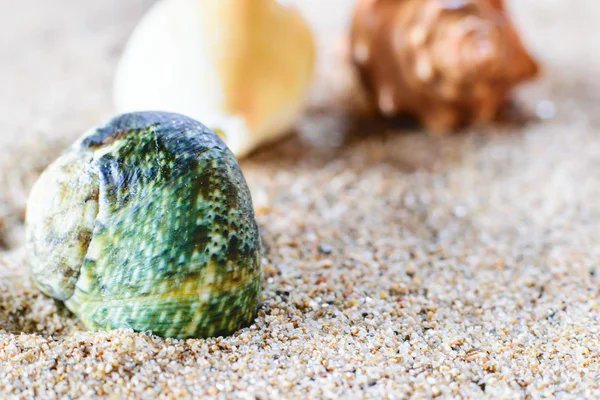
(241, 66)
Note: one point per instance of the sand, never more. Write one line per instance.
(396, 264)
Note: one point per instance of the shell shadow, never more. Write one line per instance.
(30, 312)
(23, 308)
(3, 242)
(324, 136)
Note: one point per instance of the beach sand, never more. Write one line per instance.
(396, 264)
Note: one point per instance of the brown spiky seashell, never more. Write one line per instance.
(444, 62)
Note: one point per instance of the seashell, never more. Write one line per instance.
(444, 62)
(147, 223)
(243, 67)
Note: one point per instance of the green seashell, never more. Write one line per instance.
(147, 223)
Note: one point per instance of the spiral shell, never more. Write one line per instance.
(444, 62)
(147, 223)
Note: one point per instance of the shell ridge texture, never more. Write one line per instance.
(174, 246)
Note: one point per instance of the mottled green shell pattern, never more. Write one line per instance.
(147, 223)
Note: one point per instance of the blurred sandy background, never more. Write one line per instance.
(397, 264)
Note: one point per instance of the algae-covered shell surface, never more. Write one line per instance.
(147, 223)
